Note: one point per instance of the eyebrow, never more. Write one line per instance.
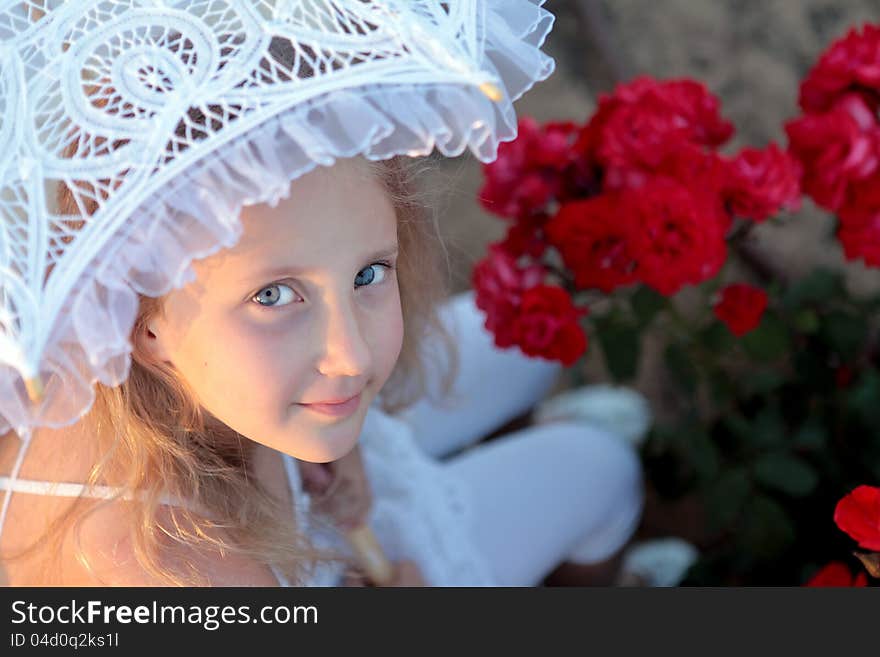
(282, 270)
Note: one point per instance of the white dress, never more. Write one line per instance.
(419, 511)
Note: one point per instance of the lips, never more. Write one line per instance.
(339, 409)
(327, 402)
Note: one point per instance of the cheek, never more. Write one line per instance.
(387, 338)
(236, 369)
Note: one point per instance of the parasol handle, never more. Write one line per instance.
(369, 555)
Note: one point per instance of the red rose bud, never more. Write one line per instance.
(837, 574)
(858, 514)
(547, 325)
(741, 307)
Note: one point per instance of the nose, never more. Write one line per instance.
(345, 350)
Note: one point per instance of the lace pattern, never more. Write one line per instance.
(164, 119)
(169, 118)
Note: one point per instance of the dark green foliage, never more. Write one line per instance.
(787, 423)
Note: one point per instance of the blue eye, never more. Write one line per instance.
(272, 294)
(367, 280)
(278, 294)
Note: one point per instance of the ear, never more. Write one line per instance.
(150, 342)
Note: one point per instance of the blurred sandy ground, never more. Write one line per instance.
(751, 53)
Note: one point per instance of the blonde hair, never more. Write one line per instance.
(157, 440)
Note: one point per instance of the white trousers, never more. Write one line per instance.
(563, 491)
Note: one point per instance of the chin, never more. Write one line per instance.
(326, 452)
(324, 444)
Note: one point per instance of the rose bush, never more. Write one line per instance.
(773, 380)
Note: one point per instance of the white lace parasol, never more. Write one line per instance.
(122, 100)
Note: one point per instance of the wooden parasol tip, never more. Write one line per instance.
(35, 388)
(369, 554)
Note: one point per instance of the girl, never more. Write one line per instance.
(228, 376)
(307, 328)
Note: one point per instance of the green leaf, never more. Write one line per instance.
(864, 398)
(646, 303)
(738, 426)
(725, 499)
(662, 438)
(806, 321)
(763, 382)
(721, 386)
(768, 428)
(767, 529)
(787, 473)
(845, 332)
(820, 285)
(717, 338)
(621, 346)
(812, 435)
(704, 456)
(774, 290)
(812, 370)
(874, 467)
(769, 341)
(679, 362)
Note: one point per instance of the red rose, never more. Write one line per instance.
(678, 237)
(741, 307)
(528, 170)
(547, 325)
(858, 228)
(595, 241)
(693, 166)
(636, 128)
(762, 181)
(858, 514)
(581, 179)
(701, 170)
(552, 145)
(522, 238)
(499, 284)
(695, 109)
(851, 63)
(837, 574)
(836, 149)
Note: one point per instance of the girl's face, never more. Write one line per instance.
(305, 308)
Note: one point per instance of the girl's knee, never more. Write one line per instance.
(617, 487)
(600, 454)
